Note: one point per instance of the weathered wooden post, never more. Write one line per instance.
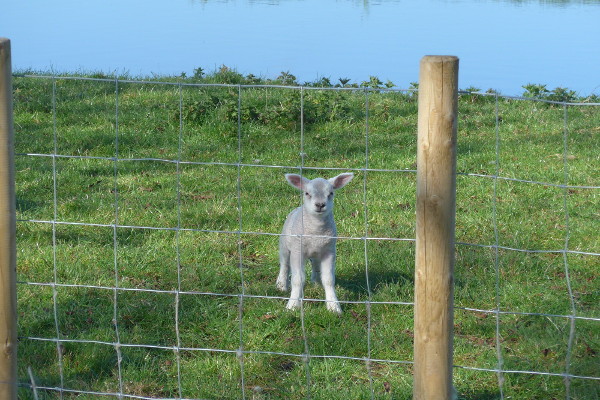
(8, 298)
(436, 203)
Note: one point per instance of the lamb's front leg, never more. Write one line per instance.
(328, 282)
(298, 279)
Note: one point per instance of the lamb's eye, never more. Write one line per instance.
(306, 194)
(331, 194)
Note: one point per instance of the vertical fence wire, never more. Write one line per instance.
(33, 384)
(565, 254)
(59, 346)
(500, 364)
(178, 242)
(116, 246)
(306, 355)
(365, 245)
(240, 352)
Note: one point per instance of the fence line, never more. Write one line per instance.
(305, 357)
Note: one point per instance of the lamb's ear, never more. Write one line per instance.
(341, 180)
(297, 181)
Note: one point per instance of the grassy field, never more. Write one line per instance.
(180, 288)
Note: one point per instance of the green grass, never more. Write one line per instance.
(199, 126)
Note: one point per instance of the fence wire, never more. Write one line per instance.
(59, 385)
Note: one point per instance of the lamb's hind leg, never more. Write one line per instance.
(315, 276)
(284, 269)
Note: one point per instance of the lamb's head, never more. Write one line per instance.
(319, 192)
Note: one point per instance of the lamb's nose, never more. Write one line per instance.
(320, 206)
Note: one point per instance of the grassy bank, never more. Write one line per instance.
(118, 168)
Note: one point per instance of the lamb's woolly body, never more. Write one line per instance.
(318, 235)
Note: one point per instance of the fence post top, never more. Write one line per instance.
(4, 48)
(437, 59)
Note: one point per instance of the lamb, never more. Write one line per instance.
(314, 221)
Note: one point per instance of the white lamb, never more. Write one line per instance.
(309, 232)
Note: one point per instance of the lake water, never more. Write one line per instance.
(501, 44)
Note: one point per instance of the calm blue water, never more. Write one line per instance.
(501, 44)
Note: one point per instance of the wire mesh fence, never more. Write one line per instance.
(149, 215)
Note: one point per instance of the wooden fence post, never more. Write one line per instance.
(436, 204)
(8, 298)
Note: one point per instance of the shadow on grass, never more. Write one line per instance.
(378, 281)
(24, 205)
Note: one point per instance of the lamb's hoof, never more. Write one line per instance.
(293, 305)
(334, 307)
(282, 285)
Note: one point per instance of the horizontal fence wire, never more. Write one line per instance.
(373, 238)
(500, 309)
(289, 167)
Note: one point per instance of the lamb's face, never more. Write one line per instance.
(318, 197)
(318, 193)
